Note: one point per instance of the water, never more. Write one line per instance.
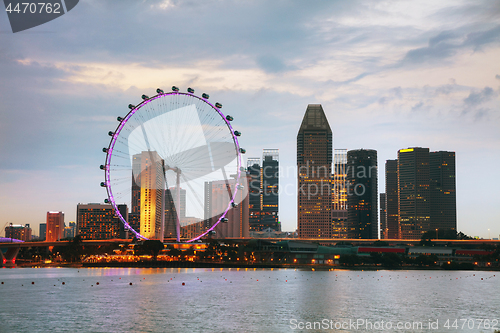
(241, 300)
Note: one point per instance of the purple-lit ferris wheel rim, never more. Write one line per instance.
(123, 122)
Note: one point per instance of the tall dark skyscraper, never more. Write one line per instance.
(314, 162)
(413, 192)
(254, 193)
(424, 184)
(362, 199)
(443, 204)
(383, 216)
(391, 199)
(270, 183)
(263, 191)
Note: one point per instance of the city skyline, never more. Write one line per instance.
(388, 75)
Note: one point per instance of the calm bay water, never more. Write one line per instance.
(240, 300)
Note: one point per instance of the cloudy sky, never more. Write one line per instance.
(389, 74)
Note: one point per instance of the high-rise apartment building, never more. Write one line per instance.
(148, 191)
(413, 192)
(443, 197)
(270, 184)
(314, 163)
(421, 194)
(55, 226)
(42, 230)
(69, 231)
(99, 221)
(339, 194)
(170, 230)
(362, 198)
(391, 200)
(237, 217)
(263, 191)
(254, 193)
(383, 217)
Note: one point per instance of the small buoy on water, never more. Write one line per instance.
(97, 283)
(64, 283)
(185, 284)
(33, 282)
(130, 283)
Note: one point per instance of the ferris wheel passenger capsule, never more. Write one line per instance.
(174, 88)
(218, 105)
(103, 184)
(104, 150)
(243, 151)
(205, 96)
(131, 106)
(191, 90)
(229, 118)
(159, 91)
(234, 205)
(111, 133)
(106, 200)
(102, 167)
(145, 97)
(119, 119)
(240, 187)
(224, 220)
(237, 133)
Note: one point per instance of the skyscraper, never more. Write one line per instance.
(254, 193)
(270, 183)
(314, 162)
(237, 217)
(443, 203)
(391, 199)
(339, 194)
(362, 199)
(55, 226)
(383, 217)
(148, 183)
(42, 229)
(413, 192)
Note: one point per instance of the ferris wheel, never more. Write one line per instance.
(173, 167)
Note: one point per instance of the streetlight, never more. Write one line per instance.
(437, 234)
(489, 237)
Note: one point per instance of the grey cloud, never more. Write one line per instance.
(417, 107)
(271, 64)
(482, 38)
(476, 98)
(445, 44)
(497, 77)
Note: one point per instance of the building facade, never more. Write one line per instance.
(17, 231)
(339, 194)
(314, 164)
(237, 224)
(55, 226)
(383, 217)
(413, 192)
(391, 200)
(270, 189)
(99, 221)
(362, 198)
(254, 193)
(443, 203)
(148, 193)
